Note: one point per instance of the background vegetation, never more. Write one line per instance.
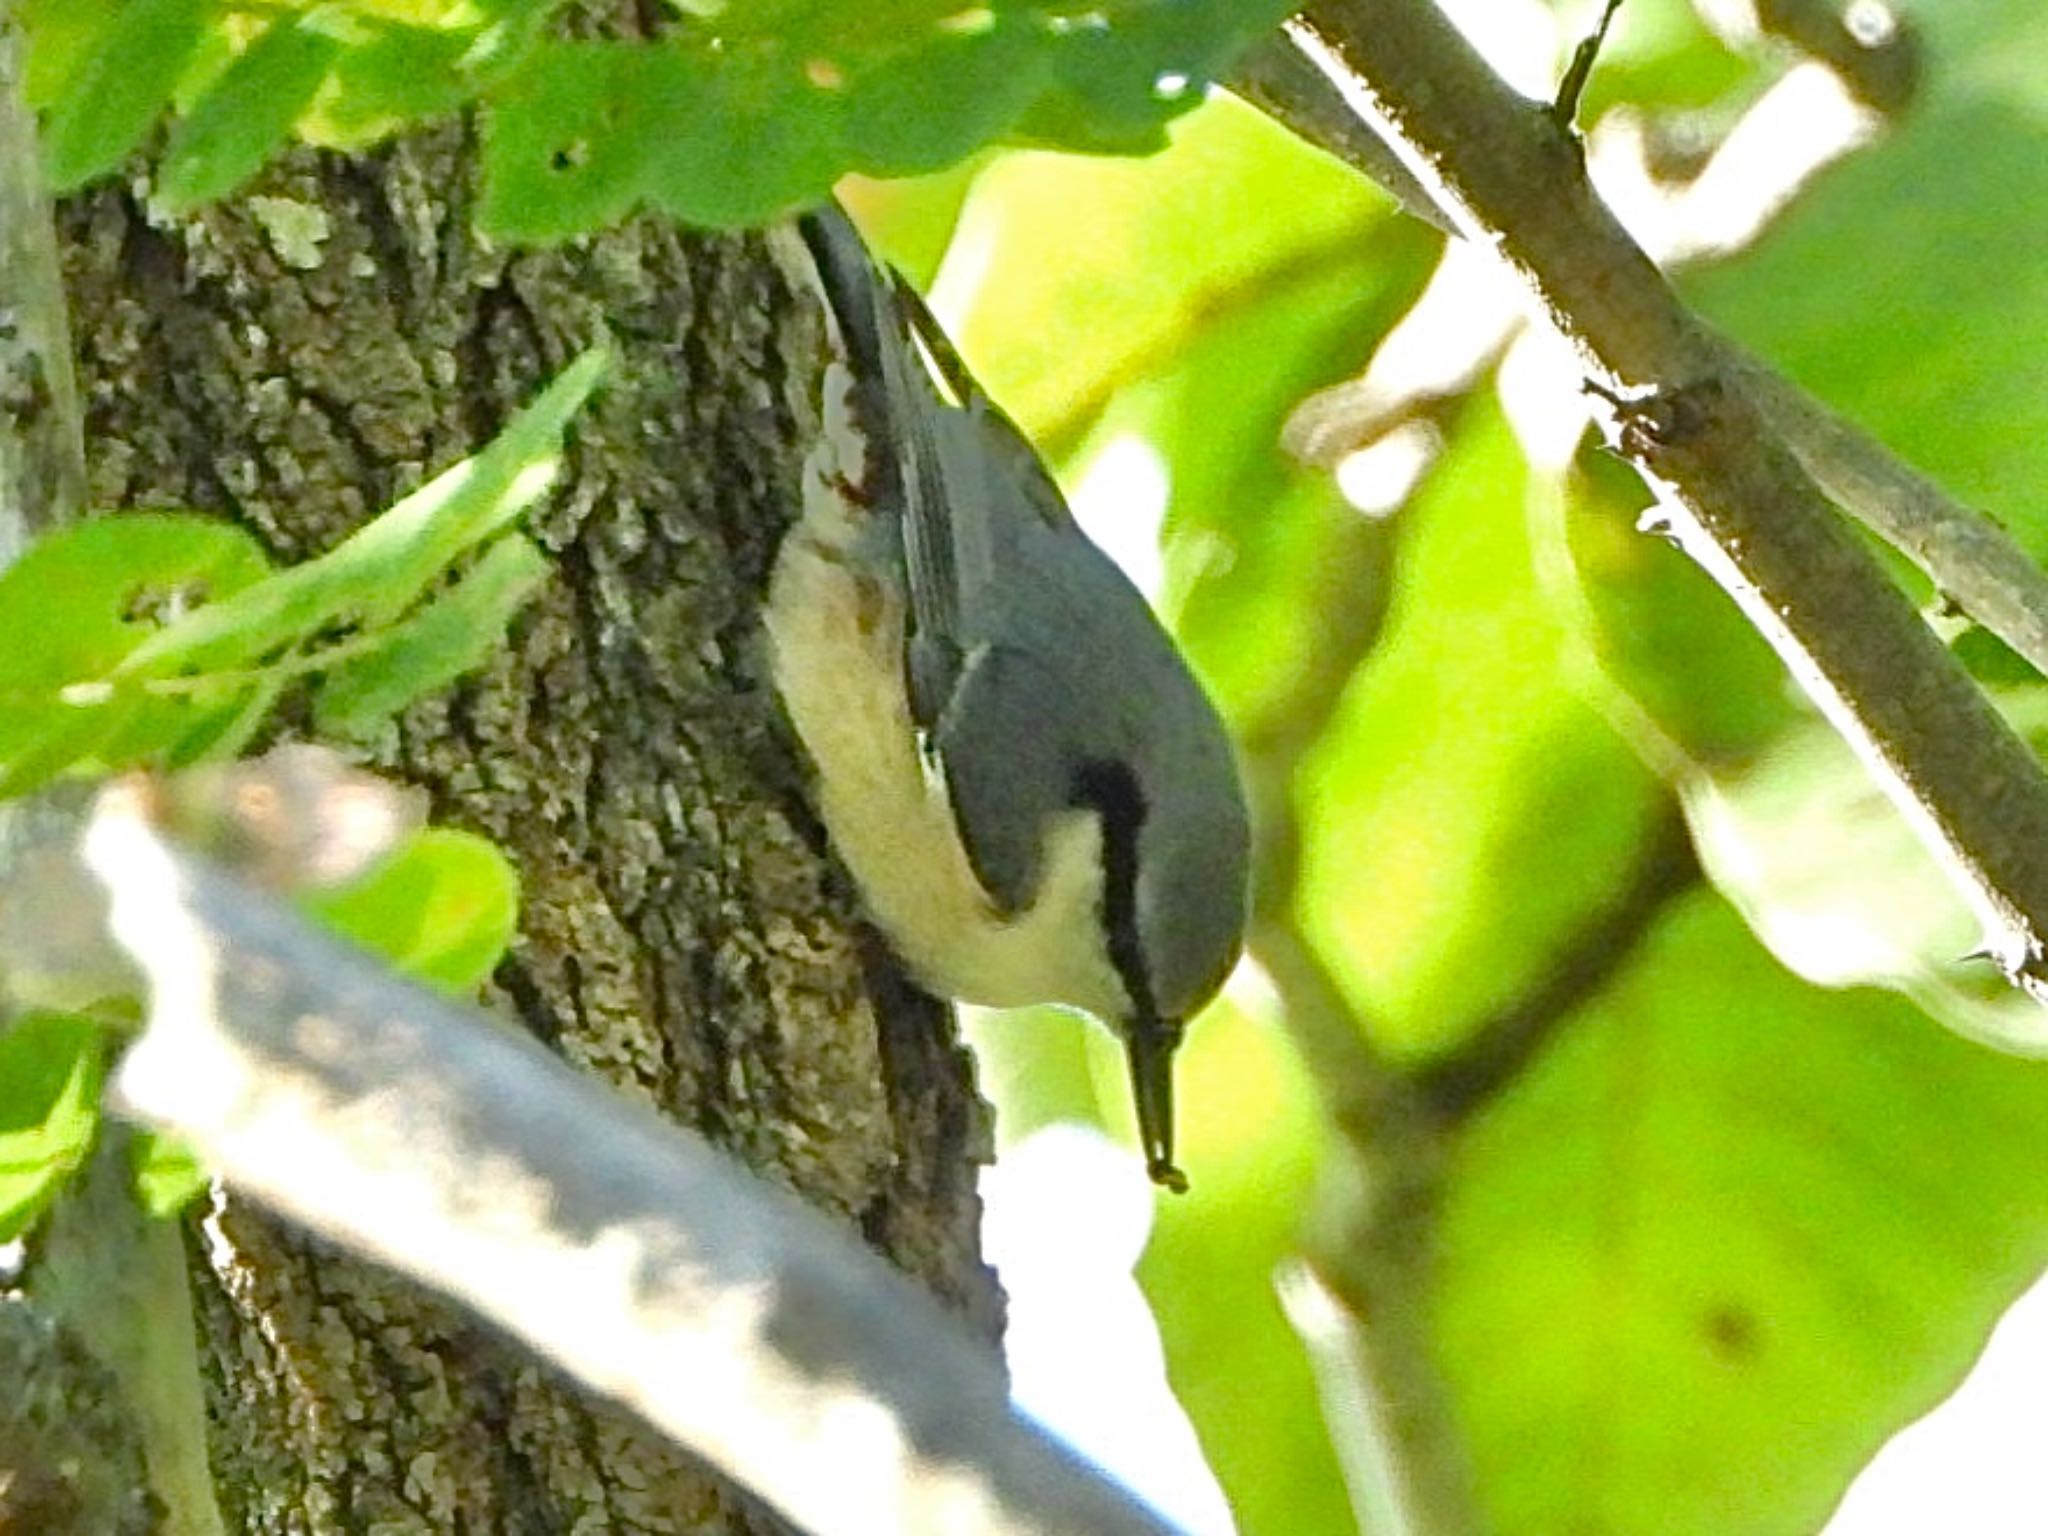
(1608, 1051)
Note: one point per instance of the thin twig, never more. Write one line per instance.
(1565, 107)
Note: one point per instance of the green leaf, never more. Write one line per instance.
(1118, 85)
(733, 116)
(249, 110)
(925, 109)
(750, 135)
(567, 140)
(455, 633)
(51, 1065)
(442, 909)
(159, 638)
(1726, 1234)
(62, 35)
(63, 737)
(81, 600)
(1690, 681)
(763, 112)
(380, 571)
(1468, 811)
(394, 77)
(120, 87)
(168, 1174)
(91, 592)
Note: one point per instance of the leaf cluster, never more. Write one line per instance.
(161, 640)
(732, 115)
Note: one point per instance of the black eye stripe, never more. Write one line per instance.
(1111, 791)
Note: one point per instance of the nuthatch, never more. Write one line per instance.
(1037, 801)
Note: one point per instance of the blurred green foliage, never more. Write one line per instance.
(1930, 250)
(1727, 1233)
(1723, 1229)
(1751, 1167)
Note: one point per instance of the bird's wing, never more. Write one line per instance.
(967, 487)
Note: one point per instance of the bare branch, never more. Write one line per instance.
(1977, 565)
(1735, 496)
(433, 1139)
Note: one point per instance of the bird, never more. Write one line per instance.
(1034, 796)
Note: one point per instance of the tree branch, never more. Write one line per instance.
(1735, 495)
(433, 1139)
(1977, 565)
(42, 455)
(1278, 78)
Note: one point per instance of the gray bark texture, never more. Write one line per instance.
(297, 358)
(70, 1458)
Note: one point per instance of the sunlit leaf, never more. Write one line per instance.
(454, 633)
(380, 571)
(81, 601)
(442, 909)
(50, 1070)
(1728, 1233)
(168, 1174)
(120, 86)
(248, 111)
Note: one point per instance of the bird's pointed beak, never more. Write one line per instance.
(1151, 1044)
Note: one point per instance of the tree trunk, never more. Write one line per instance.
(296, 359)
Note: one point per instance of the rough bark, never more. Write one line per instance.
(70, 1459)
(296, 359)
